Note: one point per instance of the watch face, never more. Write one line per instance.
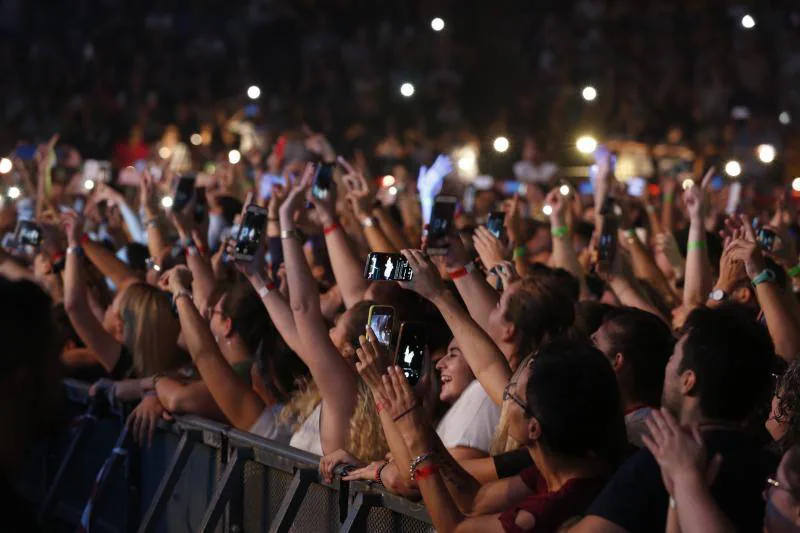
(717, 295)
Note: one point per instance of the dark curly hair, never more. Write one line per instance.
(788, 410)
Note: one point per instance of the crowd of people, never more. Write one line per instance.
(564, 355)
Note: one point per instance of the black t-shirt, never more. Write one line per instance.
(636, 500)
(509, 464)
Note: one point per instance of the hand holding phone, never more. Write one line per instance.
(495, 223)
(251, 229)
(382, 266)
(183, 192)
(28, 233)
(411, 348)
(323, 185)
(381, 322)
(438, 237)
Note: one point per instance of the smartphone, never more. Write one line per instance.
(495, 223)
(382, 266)
(766, 238)
(252, 226)
(381, 321)
(585, 188)
(98, 171)
(323, 181)
(607, 246)
(444, 210)
(200, 205)
(514, 187)
(637, 186)
(28, 233)
(79, 204)
(410, 354)
(9, 242)
(183, 192)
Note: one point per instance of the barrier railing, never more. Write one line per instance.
(197, 475)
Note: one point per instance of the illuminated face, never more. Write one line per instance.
(454, 373)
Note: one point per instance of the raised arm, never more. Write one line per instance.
(156, 243)
(782, 323)
(435, 471)
(237, 401)
(698, 281)
(76, 303)
(347, 269)
(202, 273)
(482, 354)
(564, 255)
(337, 382)
(108, 264)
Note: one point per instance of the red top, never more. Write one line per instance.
(126, 155)
(551, 509)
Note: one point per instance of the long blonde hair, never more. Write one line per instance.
(365, 439)
(503, 441)
(151, 329)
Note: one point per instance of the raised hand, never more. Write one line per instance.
(695, 197)
(558, 203)
(372, 362)
(176, 280)
(742, 246)
(296, 198)
(429, 180)
(72, 223)
(489, 247)
(426, 281)
(681, 455)
(514, 222)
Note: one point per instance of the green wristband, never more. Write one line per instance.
(696, 245)
(520, 252)
(559, 231)
(794, 271)
(668, 196)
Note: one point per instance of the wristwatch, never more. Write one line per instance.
(717, 295)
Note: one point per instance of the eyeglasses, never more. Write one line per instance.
(773, 483)
(508, 395)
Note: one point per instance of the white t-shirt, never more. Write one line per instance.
(530, 173)
(471, 421)
(268, 426)
(307, 437)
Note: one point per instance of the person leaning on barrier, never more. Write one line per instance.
(565, 402)
(30, 388)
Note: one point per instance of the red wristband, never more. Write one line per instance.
(378, 407)
(426, 471)
(461, 272)
(57, 257)
(85, 238)
(327, 230)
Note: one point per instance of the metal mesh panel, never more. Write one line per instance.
(277, 484)
(255, 498)
(380, 520)
(319, 511)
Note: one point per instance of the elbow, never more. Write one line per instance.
(172, 403)
(303, 307)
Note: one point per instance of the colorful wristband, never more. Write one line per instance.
(425, 472)
(559, 231)
(794, 271)
(461, 272)
(696, 245)
(519, 252)
(765, 276)
(327, 230)
(668, 196)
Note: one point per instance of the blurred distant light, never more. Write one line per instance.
(564, 190)
(14, 192)
(766, 153)
(393, 190)
(437, 24)
(589, 93)
(164, 152)
(196, 139)
(88, 185)
(688, 183)
(234, 156)
(796, 184)
(253, 92)
(547, 210)
(748, 22)
(407, 89)
(586, 144)
(5, 165)
(733, 168)
(785, 118)
(501, 144)
(387, 181)
(166, 202)
(467, 161)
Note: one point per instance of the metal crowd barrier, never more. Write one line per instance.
(197, 475)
